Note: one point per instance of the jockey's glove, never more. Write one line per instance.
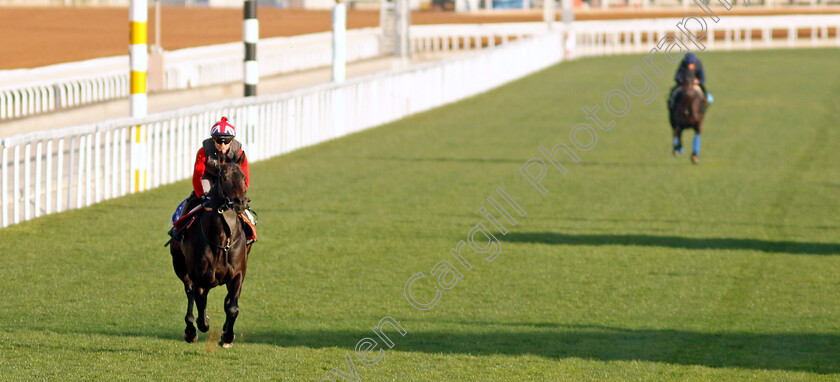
(205, 201)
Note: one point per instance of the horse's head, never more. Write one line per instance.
(688, 80)
(232, 187)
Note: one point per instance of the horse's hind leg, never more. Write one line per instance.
(231, 311)
(201, 303)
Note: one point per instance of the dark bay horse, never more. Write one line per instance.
(687, 112)
(213, 252)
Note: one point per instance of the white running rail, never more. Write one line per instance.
(45, 172)
(51, 171)
(26, 92)
(30, 91)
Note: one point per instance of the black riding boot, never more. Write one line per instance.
(189, 203)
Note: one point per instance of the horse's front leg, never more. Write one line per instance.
(189, 333)
(180, 265)
(201, 303)
(677, 140)
(231, 310)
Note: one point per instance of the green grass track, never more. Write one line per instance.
(634, 266)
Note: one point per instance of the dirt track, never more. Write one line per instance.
(42, 36)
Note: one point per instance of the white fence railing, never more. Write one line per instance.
(79, 83)
(640, 35)
(217, 64)
(731, 32)
(31, 91)
(50, 171)
(805, 4)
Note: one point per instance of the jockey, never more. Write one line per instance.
(690, 62)
(220, 145)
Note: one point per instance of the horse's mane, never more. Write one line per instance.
(688, 78)
(231, 172)
(230, 185)
(232, 179)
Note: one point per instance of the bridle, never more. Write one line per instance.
(228, 243)
(227, 204)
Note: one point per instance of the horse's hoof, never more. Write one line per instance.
(190, 339)
(695, 159)
(204, 326)
(226, 344)
(676, 153)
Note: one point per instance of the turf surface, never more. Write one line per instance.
(635, 265)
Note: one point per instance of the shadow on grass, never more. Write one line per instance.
(791, 247)
(804, 352)
(444, 160)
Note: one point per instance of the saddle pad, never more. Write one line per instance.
(185, 221)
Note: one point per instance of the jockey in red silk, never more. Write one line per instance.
(208, 160)
(220, 144)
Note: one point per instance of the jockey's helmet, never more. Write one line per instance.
(223, 128)
(690, 58)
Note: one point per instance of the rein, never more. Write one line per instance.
(228, 243)
(227, 204)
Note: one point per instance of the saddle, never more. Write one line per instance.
(679, 91)
(248, 224)
(184, 222)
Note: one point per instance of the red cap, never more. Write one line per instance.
(223, 128)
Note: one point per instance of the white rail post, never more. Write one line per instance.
(568, 23)
(139, 64)
(59, 173)
(138, 57)
(89, 170)
(403, 23)
(792, 35)
(548, 13)
(139, 164)
(97, 163)
(16, 185)
(38, 178)
(339, 41)
(4, 186)
(48, 191)
(107, 171)
(27, 156)
(250, 36)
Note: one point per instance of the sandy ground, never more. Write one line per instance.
(38, 36)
